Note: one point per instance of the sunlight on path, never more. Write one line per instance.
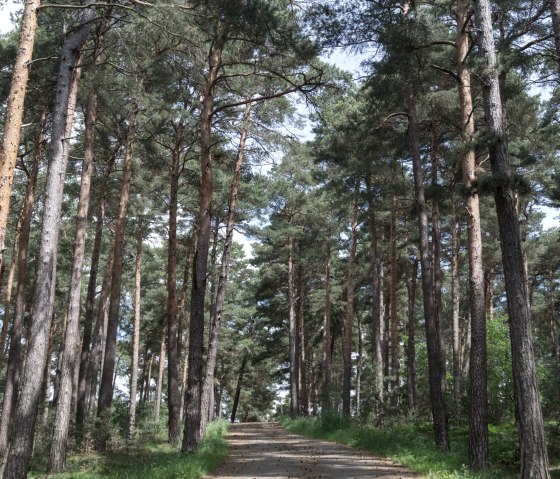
(265, 450)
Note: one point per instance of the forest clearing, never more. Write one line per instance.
(202, 218)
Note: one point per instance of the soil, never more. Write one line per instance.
(266, 451)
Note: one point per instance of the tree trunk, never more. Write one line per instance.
(99, 333)
(213, 260)
(221, 390)
(47, 374)
(159, 387)
(359, 366)
(314, 382)
(382, 322)
(74, 399)
(14, 112)
(552, 317)
(192, 436)
(148, 378)
(347, 337)
(61, 345)
(217, 311)
(292, 322)
(184, 379)
(9, 289)
(377, 354)
(394, 320)
(326, 403)
(555, 10)
(106, 387)
(437, 398)
(302, 362)
(455, 304)
(135, 337)
(14, 356)
(534, 457)
(386, 326)
(436, 258)
(87, 345)
(238, 387)
(465, 348)
(412, 388)
(173, 339)
(59, 442)
(143, 374)
(183, 318)
(478, 426)
(20, 449)
(489, 291)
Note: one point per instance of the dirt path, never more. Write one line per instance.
(265, 450)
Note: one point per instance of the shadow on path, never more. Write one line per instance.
(265, 450)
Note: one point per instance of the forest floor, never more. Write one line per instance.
(266, 450)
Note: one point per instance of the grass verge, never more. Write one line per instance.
(148, 461)
(413, 446)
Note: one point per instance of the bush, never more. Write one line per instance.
(149, 460)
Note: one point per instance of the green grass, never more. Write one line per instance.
(149, 461)
(413, 446)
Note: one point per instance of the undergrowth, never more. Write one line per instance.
(412, 446)
(155, 460)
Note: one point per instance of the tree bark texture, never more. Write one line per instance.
(326, 402)
(14, 112)
(20, 449)
(359, 365)
(394, 320)
(47, 375)
(489, 291)
(534, 456)
(99, 333)
(14, 357)
(60, 355)
(238, 387)
(106, 387)
(159, 385)
(436, 258)
(555, 10)
(9, 288)
(173, 339)
(478, 422)
(412, 388)
(135, 337)
(217, 311)
(87, 345)
(57, 458)
(148, 365)
(455, 304)
(552, 317)
(437, 398)
(192, 436)
(377, 353)
(465, 348)
(348, 325)
(292, 325)
(302, 361)
(183, 318)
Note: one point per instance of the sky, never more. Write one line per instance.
(5, 10)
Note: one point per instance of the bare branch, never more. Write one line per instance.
(392, 115)
(534, 42)
(433, 44)
(445, 70)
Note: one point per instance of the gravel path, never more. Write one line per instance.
(265, 450)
